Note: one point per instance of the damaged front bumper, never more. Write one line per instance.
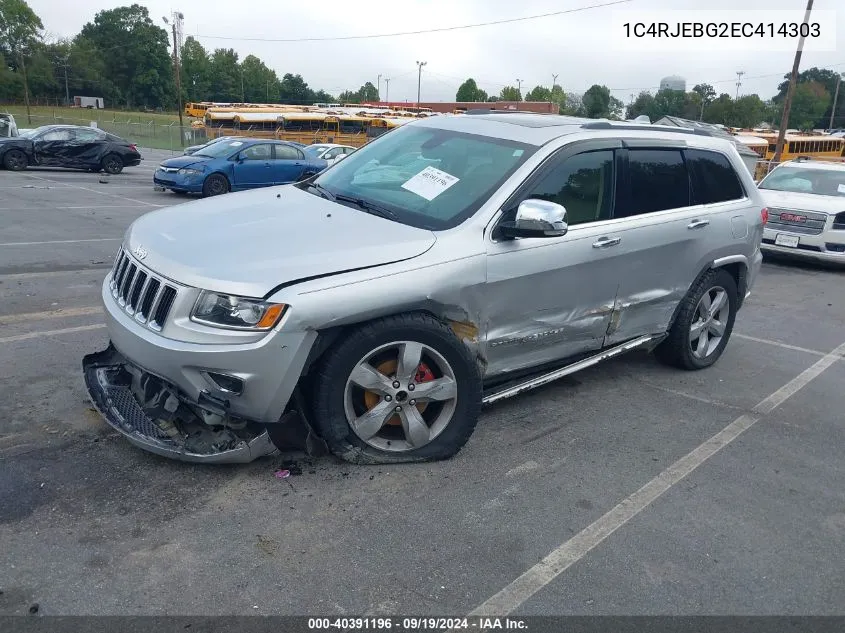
(153, 415)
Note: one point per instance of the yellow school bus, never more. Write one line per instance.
(795, 145)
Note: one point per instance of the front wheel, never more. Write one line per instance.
(215, 185)
(704, 323)
(400, 389)
(112, 164)
(15, 160)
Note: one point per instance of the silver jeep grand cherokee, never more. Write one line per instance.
(450, 263)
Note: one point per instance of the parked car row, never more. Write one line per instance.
(236, 163)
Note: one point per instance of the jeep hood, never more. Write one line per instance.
(248, 243)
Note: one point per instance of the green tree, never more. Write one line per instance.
(347, 96)
(826, 78)
(720, 111)
(705, 91)
(135, 55)
(809, 103)
(294, 90)
(571, 105)
(20, 31)
(492, 99)
(596, 102)
(539, 93)
(196, 71)
(321, 96)
(749, 111)
(225, 76)
(469, 91)
(510, 93)
(260, 83)
(368, 93)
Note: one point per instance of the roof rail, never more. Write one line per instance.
(607, 125)
(494, 111)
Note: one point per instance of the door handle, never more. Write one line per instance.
(604, 242)
(698, 224)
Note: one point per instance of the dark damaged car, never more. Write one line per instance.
(70, 146)
(450, 263)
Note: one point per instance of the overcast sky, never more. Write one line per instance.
(577, 47)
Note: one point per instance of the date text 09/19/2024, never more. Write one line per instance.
(417, 624)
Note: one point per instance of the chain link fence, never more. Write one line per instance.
(152, 133)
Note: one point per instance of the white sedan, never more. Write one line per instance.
(329, 152)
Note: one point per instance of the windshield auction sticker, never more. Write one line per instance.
(430, 183)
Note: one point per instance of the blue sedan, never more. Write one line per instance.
(235, 165)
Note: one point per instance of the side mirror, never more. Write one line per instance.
(536, 218)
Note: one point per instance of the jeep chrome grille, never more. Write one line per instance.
(140, 293)
(795, 221)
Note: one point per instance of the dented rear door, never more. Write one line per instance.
(663, 237)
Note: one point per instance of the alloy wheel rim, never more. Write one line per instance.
(711, 320)
(406, 410)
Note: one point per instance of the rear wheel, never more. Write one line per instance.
(400, 389)
(704, 323)
(112, 164)
(15, 160)
(215, 185)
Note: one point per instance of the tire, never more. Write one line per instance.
(15, 160)
(682, 348)
(448, 417)
(215, 185)
(112, 164)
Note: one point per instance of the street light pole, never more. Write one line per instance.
(790, 91)
(419, 81)
(519, 87)
(835, 98)
(378, 88)
(387, 90)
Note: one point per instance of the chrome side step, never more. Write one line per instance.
(544, 379)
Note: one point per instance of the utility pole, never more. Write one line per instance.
(554, 83)
(835, 98)
(378, 88)
(177, 70)
(268, 91)
(243, 94)
(419, 80)
(519, 87)
(739, 75)
(25, 85)
(387, 89)
(790, 91)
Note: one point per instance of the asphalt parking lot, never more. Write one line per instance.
(630, 488)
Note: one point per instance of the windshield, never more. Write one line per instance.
(427, 177)
(821, 182)
(220, 150)
(315, 150)
(27, 133)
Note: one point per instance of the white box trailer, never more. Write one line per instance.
(95, 103)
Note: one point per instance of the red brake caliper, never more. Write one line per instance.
(423, 374)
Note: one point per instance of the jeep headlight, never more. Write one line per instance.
(186, 171)
(230, 311)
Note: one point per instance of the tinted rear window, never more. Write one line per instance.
(659, 181)
(713, 177)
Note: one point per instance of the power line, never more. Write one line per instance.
(421, 32)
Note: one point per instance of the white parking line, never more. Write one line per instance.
(47, 274)
(46, 333)
(99, 193)
(573, 550)
(50, 314)
(777, 344)
(97, 239)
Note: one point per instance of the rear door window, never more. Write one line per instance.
(713, 177)
(659, 181)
